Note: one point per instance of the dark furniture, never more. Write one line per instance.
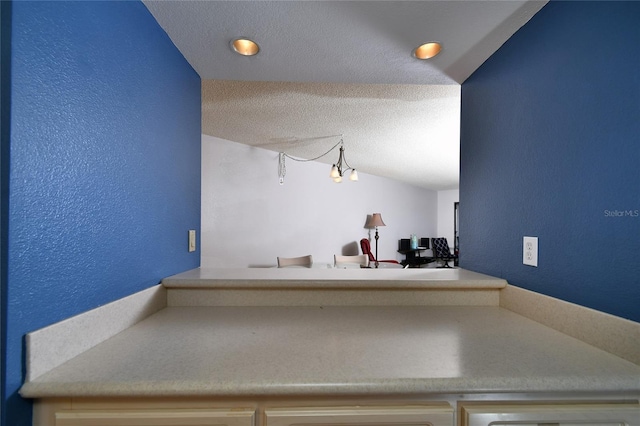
(456, 232)
(442, 252)
(413, 257)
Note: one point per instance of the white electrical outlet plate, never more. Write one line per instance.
(530, 251)
(192, 240)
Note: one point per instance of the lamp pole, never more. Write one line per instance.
(376, 247)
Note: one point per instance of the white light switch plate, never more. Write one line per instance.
(192, 240)
(530, 251)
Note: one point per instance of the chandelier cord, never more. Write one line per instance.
(312, 159)
(282, 168)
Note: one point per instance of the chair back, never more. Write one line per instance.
(307, 261)
(362, 260)
(366, 249)
(440, 247)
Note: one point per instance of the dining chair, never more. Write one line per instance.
(362, 260)
(442, 252)
(307, 261)
(366, 250)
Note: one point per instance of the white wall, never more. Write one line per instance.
(248, 219)
(445, 214)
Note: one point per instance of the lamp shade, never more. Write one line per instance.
(374, 221)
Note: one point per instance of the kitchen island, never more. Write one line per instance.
(213, 352)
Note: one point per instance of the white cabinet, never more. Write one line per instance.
(332, 412)
(414, 415)
(176, 417)
(609, 414)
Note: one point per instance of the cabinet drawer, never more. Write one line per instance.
(176, 417)
(551, 415)
(411, 415)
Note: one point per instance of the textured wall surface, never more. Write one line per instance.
(104, 168)
(309, 214)
(549, 148)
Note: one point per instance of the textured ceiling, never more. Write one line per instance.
(406, 132)
(342, 67)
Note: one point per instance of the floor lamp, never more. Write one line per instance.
(374, 222)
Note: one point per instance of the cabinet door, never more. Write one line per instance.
(550, 414)
(155, 418)
(427, 415)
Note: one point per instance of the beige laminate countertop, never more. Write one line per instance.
(332, 350)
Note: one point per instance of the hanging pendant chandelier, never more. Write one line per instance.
(338, 169)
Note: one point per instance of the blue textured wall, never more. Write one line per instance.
(104, 178)
(550, 148)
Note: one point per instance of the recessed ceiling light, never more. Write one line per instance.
(427, 50)
(245, 46)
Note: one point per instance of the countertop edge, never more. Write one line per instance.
(400, 387)
(356, 279)
(334, 284)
